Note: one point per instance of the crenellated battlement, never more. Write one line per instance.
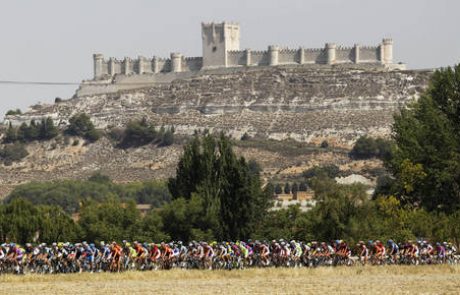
(221, 49)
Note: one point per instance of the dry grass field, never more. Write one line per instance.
(356, 280)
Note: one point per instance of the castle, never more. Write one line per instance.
(221, 49)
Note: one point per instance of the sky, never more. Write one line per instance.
(53, 40)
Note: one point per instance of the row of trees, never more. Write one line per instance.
(22, 222)
(70, 195)
(343, 211)
(43, 130)
(79, 125)
(346, 212)
(288, 188)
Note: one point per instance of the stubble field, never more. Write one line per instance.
(356, 280)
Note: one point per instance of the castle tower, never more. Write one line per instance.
(217, 40)
(98, 60)
(387, 51)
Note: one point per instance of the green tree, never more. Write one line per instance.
(295, 188)
(287, 188)
(427, 143)
(20, 222)
(230, 188)
(47, 130)
(189, 220)
(81, 125)
(110, 221)
(288, 224)
(329, 170)
(278, 189)
(303, 186)
(14, 152)
(56, 225)
(11, 134)
(13, 112)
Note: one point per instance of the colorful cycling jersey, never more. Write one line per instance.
(394, 248)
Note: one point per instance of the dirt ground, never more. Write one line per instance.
(356, 280)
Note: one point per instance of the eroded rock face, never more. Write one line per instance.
(306, 104)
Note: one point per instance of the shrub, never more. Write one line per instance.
(13, 153)
(367, 147)
(330, 171)
(303, 186)
(81, 125)
(245, 136)
(13, 112)
(139, 133)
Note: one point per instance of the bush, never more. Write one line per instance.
(331, 171)
(139, 133)
(13, 112)
(71, 194)
(367, 147)
(116, 134)
(245, 136)
(13, 153)
(303, 186)
(81, 125)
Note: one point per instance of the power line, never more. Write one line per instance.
(16, 82)
(52, 83)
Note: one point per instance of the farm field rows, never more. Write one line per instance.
(356, 280)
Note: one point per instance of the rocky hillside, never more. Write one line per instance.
(307, 104)
(73, 158)
(304, 104)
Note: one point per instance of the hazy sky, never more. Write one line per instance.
(53, 40)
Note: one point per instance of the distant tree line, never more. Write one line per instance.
(70, 195)
(79, 125)
(287, 188)
(43, 130)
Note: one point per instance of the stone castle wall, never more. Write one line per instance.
(221, 49)
(273, 56)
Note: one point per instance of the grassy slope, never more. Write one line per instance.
(375, 280)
